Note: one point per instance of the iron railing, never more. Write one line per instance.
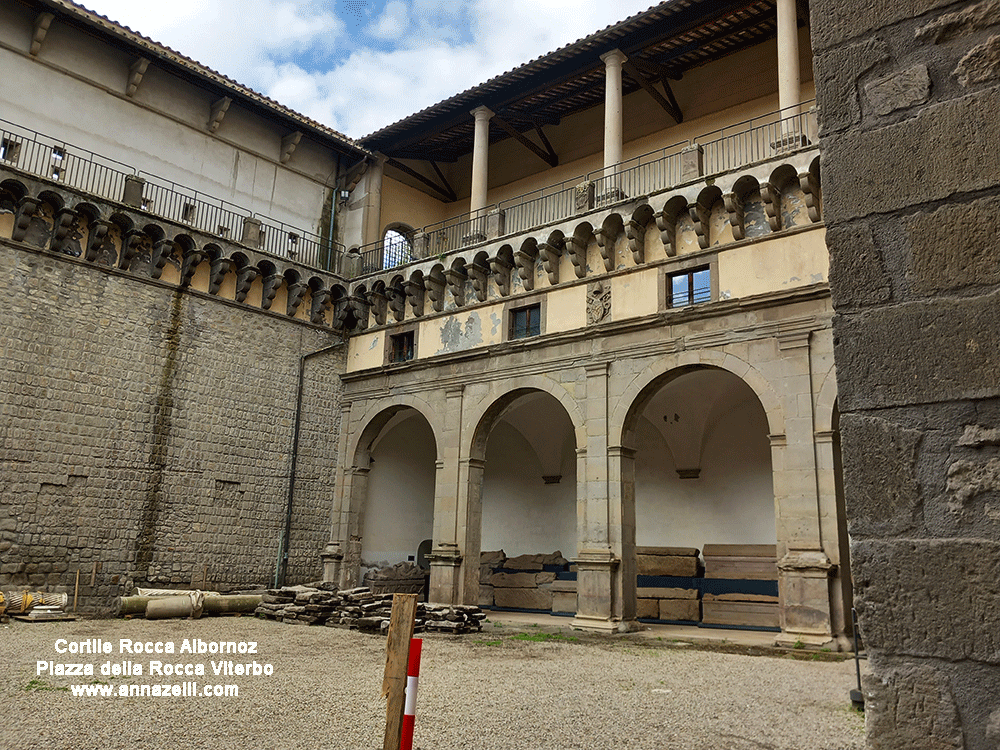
(52, 159)
(394, 249)
(747, 142)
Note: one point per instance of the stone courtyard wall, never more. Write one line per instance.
(909, 97)
(146, 432)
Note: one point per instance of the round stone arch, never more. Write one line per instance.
(646, 383)
(826, 402)
(480, 420)
(377, 416)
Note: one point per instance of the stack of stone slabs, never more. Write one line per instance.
(740, 588)
(525, 582)
(667, 584)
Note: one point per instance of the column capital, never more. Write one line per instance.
(454, 391)
(482, 112)
(596, 369)
(614, 57)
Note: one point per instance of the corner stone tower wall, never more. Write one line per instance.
(146, 433)
(909, 97)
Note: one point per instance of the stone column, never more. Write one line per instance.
(352, 524)
(333, 554)
(480, 158)
(803, 566)
(612, 109)
(449, 519)
(833, 528)
(788, 55)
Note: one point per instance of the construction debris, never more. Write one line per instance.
(361, 609)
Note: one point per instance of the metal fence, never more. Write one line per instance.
(759, 139)
(395, 249)
(459, 231)
(78, 168)
(641, 175)
(540, 207)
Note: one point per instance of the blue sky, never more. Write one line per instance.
(358, 66)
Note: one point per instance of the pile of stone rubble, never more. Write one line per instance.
(360, 609)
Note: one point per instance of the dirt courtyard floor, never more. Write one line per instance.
(511, 686)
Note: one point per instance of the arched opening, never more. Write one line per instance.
(398, 514)
(397, 245)
(704, 501)
(528, 529)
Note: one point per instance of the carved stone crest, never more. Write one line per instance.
(598, 302)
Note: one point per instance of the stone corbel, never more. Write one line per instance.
(525, 269)
(296, 291)
(480, 276)
(456, 284)
(42, 23)
(810, 188)
(135, 73)
(397, 303)
(362, 309)
(97, 239)
(288, 144)
(62, 222)
(158, 257)
(737, 216)
(578, 255)
(270, 289)
(550, 255)
(244, 278)
(700, 215)
(636, 234)
(220, 267)
(131, 243)
(379, 304)
(320, 301)
(606, 241)
(340, 312)
(189, 266)
(218, 111)
(415, 296)
(501, 275)
(666, 222)
(435, 290)
(26, 208)
(772, 205)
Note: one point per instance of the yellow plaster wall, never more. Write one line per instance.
(772, 265)
(404, 204)
(634, 295)
(365, 351)
(460, 331)
(566, 309)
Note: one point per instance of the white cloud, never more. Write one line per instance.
(439, 47)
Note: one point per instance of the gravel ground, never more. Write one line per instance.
(491, 691)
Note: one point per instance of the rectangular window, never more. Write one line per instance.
(401, 347)
(689, 287)
(525, 322)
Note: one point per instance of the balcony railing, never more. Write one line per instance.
(38, 154)
(747, 142)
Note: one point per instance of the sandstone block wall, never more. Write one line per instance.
(146, 433)
(909, 98)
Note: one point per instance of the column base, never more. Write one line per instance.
(446, 567)
(806, 620)
(332, 557)
(595, 589)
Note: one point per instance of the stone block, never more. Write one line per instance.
(912, 600)
(666, 565)
(939, 263)
(485, 595)
(668, 593)
(863, 173)
(648, 609)
(901, 90)
(858, 276)
(563, 601)
(515, 580)
(930, 351)
(750, 614)
(524, 562)
(837, 72)
(912, 706)
(680, 609)
(492, 559)
(981, 64)
(838, 21)
(881, 501)
(523, 598)
(671, 551)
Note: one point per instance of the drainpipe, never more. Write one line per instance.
(282, 570)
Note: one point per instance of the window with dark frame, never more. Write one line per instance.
(401, 347)
(525, 322)
(689, 287)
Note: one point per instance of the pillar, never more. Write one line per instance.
(612, 109)
(788, 54)
(449, 520)
(480, 158)
(372, 211)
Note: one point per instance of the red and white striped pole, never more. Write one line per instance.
(410, 709)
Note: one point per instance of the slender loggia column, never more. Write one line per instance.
(788, 54)
(612, 109)
(480, 157)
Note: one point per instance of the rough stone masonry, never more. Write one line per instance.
(909, 98)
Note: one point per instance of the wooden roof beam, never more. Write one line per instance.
(447, 192)
(546, 155)
(670, 107)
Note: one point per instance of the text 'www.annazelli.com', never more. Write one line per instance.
(156, 690)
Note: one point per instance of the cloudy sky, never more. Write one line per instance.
(359, 66)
